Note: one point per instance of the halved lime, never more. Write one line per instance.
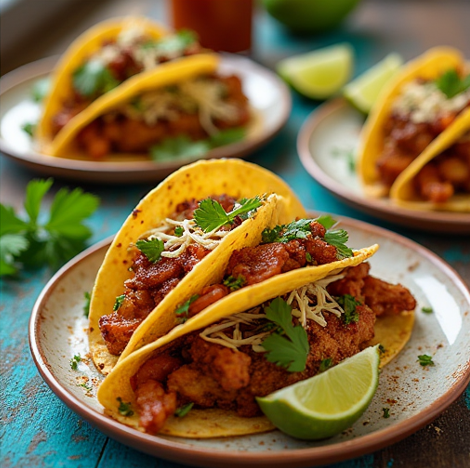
(328, 403)
(319, 74)
(364, 90)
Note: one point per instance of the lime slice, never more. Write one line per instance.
(319, 74)
(364, 90)
(328, 403)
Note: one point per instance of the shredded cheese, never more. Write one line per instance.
(308, 303)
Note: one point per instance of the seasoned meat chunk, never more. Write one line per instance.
(117, 331)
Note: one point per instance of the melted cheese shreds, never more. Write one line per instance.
(308, 303)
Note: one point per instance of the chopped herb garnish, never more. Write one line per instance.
(183, 309)
(118, 302)
(124, 408)
(180, 147)
(386, 412)
(451, 84)
(425, 360)
(338, 239)
(234, 283)
(152, 248)
(349, 304)
(182, 411)
(40, 89)
(174, 44)
(308, 257)
(87, 386)
(74, 361)
(325, 364)
(289, 351)
(427, 310)
(226, 137)
(86, 307)
(93, 79)
(29, 128)
(29, 243)
(381, 349)
(210, 215)
(179, 231)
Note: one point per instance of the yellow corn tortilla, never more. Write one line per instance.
(391, 331)
(199, 180)
(84, 46)
(167, 73)
(403, 191)
(428, 66)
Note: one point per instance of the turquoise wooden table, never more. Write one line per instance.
(38, 430)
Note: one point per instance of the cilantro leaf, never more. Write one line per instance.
(210, 214)
(179, 231)
(183, 310)
(451, 84)
(124, 408)
(29, 128)
(182, 411)
(152, 248)
(338, 239)
(35, 192)
(86, 307)
(11, 245)
(174, 44)
(180, 147)
(425, 360)
(227, 136)
(326, 221)
(386, 412)
(10, 222)
(93, 79)
(74, 361)
(290, 352)
(349, 304)
(40, 89)
(234, 283)
(271, 235)
(427, 310)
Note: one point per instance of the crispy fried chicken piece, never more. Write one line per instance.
(157, 368)
(155, 405)
(352, 283)
(386, 298)
(117, 331)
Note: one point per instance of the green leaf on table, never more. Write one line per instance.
(10, 223)
(35, 192)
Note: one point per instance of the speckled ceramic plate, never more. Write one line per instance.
(268, 95)
(327, 145)
(414, 394)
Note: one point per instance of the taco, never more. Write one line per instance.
(160, 252)
(181, 109)
(102, 58)
(219, 361)
(416, 119)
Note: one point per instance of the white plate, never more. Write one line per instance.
(267, 93)
(327, 138)
(57, 333)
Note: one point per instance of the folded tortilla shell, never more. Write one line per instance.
(199, 180)
(392, 331)
(403, 191)
(428, 66)
(83, 47)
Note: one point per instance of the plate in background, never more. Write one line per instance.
(414, 394)
(267, 93)
(327, 144)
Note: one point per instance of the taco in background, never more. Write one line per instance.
(181, 109)
(160, 253)
(98, 61)
(420, 109)
(440, 178)
(221, 359)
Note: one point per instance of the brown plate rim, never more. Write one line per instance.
(434, 220)
(129, 171)
(185, 453)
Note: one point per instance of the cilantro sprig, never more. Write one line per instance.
(451, 84)
(29, 242)
(182, 411)
(210, 215)
(152, 248)
(74, 361)
(93, 79)
(349, 304)
(289, 351)
(425, 360)
(234, 283)
(182, 312)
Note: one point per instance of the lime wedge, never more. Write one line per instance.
(364, 90)
(318, 74)
(328, 403)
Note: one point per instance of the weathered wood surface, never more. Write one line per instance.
(37, 429)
